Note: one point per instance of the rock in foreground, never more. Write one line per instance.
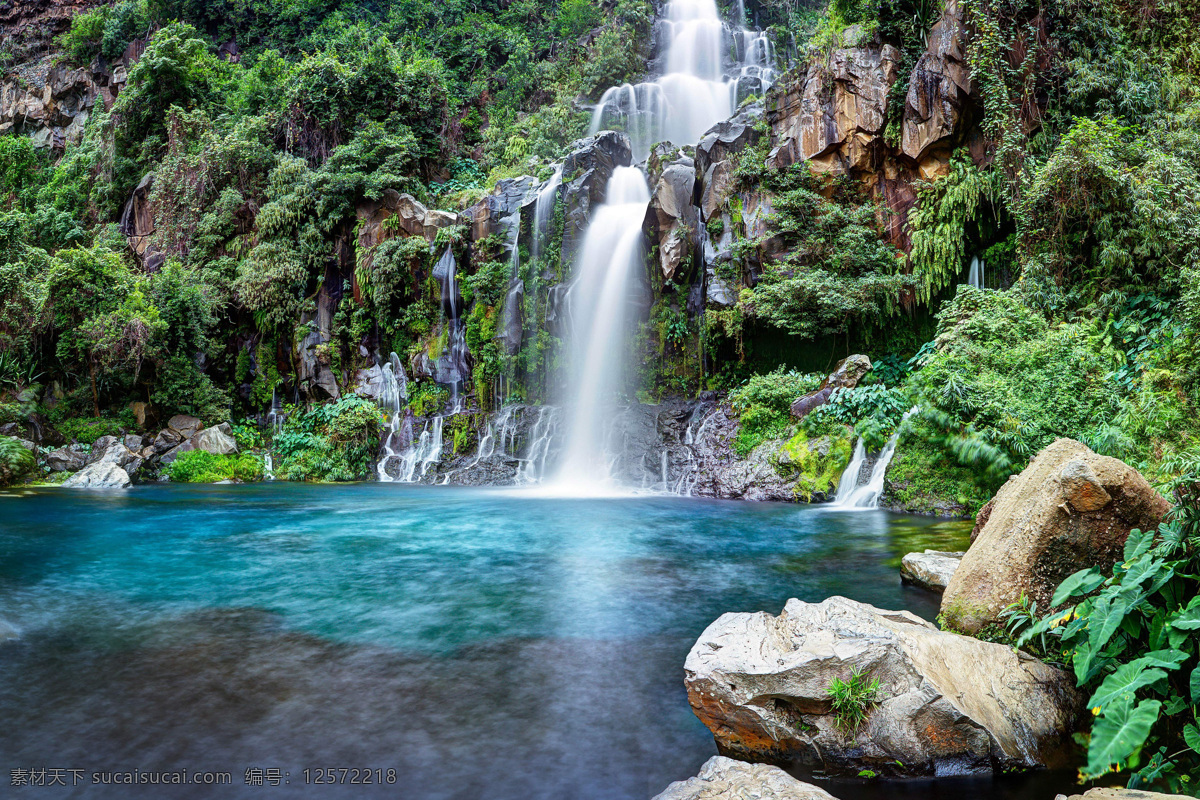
(947, 704)
(930, 570)
(725, 779)
(101, 475)
(1121, 794)
(1070, 509)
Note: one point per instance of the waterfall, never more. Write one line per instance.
(543, 210)
(451, 367)
(599, 325)
(975, 275)
(392, 398)
(699, 86)
(852, 495)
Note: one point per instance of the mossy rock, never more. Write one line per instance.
(816, 463)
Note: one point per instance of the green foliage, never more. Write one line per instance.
(1130, 639)
(1003, 383)
(817, 462)
(87, 430)
(853, 699)
(763, 404)
(336, 441)
(15, 461)
(200, 466)
(925, 477)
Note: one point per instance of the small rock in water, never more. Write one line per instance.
(725, 779)
(930, 570)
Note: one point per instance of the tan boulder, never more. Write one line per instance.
(946, 703)
(1114, 793)
(1070, 509)
(725, 779)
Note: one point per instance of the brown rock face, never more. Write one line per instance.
(1070, 509)
(835, 117)
(938, 92)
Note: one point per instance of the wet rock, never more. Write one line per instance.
(586, 171)
(725, 779)
(70, 458)
(369, 383)
(947, 704)
(491, 214)
(1070, 509)
(137, 224)
(845, 375)
(101, 475)
(938, 91)
(834, 117)
(184, 426)
(217, 440)
(930, 570)
(719, 471)
(673, 217)
(165, 440)
(728, 137)
(510, 332)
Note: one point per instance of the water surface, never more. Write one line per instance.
(481, 643)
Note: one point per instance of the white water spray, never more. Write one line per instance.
(851, 495)
(975, 275)
(699, 86)
(597, 340)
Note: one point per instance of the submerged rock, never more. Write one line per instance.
(930, 570)
(725, 779)
(1070, 509)
(101, 475)
(947, 704)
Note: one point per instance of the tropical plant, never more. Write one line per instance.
(853, 699)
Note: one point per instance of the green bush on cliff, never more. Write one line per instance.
(15, 461)
(336, 441)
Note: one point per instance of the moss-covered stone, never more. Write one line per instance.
(817, 463)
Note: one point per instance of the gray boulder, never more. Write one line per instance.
(586, 171)
(184, 425)
(930, 570)
(70, 458)
(725, 779)
(673, 215)
(728, 137)
(101, 475)
(1114, 793)
(947, 704)
(217, 440)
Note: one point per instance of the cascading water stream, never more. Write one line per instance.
(392, 398)
(975, 274)
(698, 87)
(852, 495)
(599, 326)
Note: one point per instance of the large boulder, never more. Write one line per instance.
(930, 570)
(947, 704)
(111, 450)
(725, 779)
(101, 475)
(184, 425)
(69, 458)
(495, 212)
(1115, 793)
(217, 440)
(1070, 509)
(846, 375)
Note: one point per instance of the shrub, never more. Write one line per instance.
(1131, 640)
(15, 461)
(87, 430)
(201, 466)
(853, 699)
(337, 441)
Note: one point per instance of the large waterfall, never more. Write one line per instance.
(598, 336)
(707, 67)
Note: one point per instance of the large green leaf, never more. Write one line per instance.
(1104, 620)
(1083, 582)
(1169, 659)
(1195, 684)
(1138, 544)
(1118, 733)
(1124, 683)
(1189, 618)
(1191, 735)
